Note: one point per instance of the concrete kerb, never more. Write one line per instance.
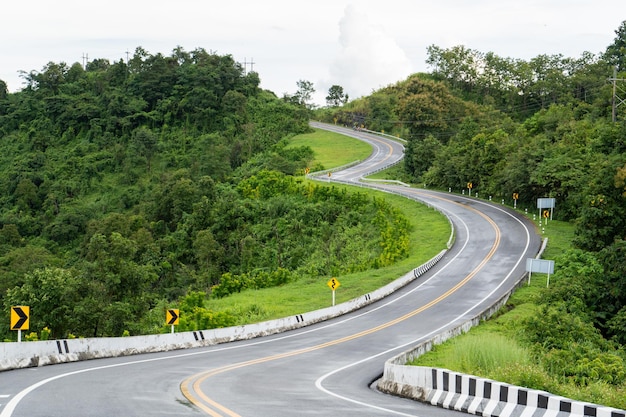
(474, 395)
(15, 355)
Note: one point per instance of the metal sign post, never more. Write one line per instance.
(333, 284)
(546, 203)
(542, 266)
(20, 320)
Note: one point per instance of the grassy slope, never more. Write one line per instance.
(332, 149)
(491, 350)
(494, 350)
(429, 236)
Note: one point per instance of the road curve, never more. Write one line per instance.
(321, 370)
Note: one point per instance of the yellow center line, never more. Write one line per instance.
(199, 378)
(389, 155)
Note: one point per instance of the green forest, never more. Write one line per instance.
(133, 185)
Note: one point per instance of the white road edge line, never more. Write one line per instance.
(14, 402)
(321, 379)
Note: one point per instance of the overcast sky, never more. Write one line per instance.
(361, 45)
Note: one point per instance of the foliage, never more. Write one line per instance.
(309, 229)
(565, 347)
(113, 177)
(130, 185)
(537, 128)
(616, 52)
(303, 95)
(336, 96)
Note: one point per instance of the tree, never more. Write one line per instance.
(4, 90)
(336, 96)
(208, 253)
(423, 154)
(144, 143)
(26, 197)
(50, 293)
(602, 217)
(616, 52)
(304, 93)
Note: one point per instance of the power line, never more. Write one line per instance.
(617, 100)
(245, 65)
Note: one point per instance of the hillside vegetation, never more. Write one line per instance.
(131, 186)
(548, 127)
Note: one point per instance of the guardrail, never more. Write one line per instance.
(474, 395)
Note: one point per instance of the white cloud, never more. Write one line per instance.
(368, 57)
(362, 47)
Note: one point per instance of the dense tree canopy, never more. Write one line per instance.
(117, 183)
(128, 185)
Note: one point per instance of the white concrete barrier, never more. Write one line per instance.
(485, 397)
(29, 354)
(473, 395)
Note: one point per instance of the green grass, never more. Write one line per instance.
(332, 149)
(429, 235)
(494, 349)
(395, 172)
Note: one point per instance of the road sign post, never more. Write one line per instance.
(542, 266)
(333, 284)
(172, 317)
(20, 320)
(546, 203)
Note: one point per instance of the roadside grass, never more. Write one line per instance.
(495, 349)
(491, 350)
(332, 149)
(429, 235)
(392, 173)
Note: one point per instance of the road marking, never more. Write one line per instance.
(13, 403)
(320, 380)
(197, 379)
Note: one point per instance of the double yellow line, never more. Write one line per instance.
(191, 387)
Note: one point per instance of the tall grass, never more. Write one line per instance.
(495, 348)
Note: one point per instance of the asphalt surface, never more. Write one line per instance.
(322, 370)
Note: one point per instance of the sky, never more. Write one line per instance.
(361, 45)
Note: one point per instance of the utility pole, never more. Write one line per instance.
(85, 60)
(245, 65)
(617, 100)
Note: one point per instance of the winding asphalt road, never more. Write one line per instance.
(321, 370)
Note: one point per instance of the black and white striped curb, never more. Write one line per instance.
(485, 397)
(422, 269)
